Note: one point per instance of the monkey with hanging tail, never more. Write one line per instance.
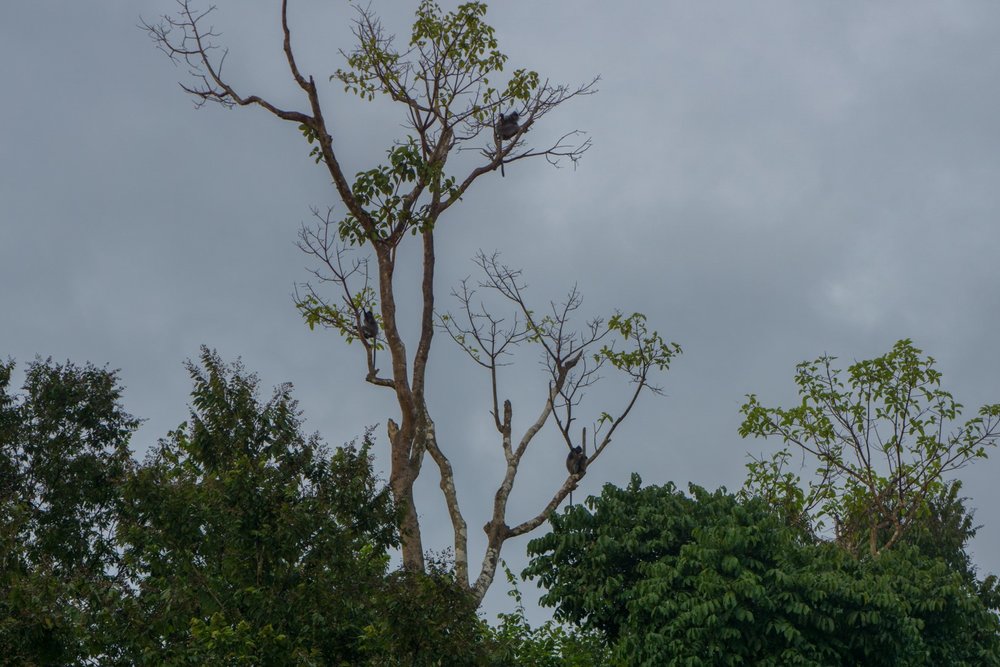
(576, 461)
(369, 330)
(507, 128)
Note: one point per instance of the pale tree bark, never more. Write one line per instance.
(446, 85)
(573, 360)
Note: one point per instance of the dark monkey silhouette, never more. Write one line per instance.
(369, 329)
(576, 461)
(507, 128)
(507, 125)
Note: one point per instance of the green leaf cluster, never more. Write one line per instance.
(881, 441)
(711, 578)
(549, 645)
(646, 349)
(443, 78)
(248, 541)
(237, 541)
(340, 317)
(449, 54)
(380, 192)
(63, 455)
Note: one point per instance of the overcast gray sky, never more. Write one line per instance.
(769, 181)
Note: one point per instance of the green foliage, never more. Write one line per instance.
(880, 441)
(250, 543)
(66, 447)
(944, 529)
(713, 579)
(426, 620)
(648, 350)
(444, 79)
(380, 191)
(448, 51)
(238, 541)
(63, 455)
(37, 625)
(550, 645)
(341, 317)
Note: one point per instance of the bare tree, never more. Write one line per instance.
(444, 83)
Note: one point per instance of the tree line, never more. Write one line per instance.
(240, 540)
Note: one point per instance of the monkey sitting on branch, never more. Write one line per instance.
(369, 331)
(507, 128)
(576, 461)
(507, 125)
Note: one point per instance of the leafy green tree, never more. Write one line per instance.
(63, 456)
(549, 645)
(237, 541)
(247, 542)
(428, 620)
(719, 579)
(943, 531)
(944, 528)
(880, 440)
(450, 86)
